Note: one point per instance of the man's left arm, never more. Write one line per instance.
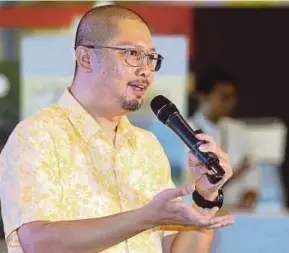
(191, 240)
(194, 240)
(188, 241)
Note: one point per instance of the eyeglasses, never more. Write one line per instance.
(135, 57)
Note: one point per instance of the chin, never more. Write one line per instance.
(132, 104)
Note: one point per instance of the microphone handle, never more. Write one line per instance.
(177, 123)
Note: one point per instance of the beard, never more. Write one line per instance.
(130, 104)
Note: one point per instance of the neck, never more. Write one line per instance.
(210, 116)
(105, 116)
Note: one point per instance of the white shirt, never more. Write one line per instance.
(231, 135)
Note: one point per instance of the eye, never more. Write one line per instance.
(133, 52)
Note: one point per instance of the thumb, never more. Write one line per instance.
(170, 194)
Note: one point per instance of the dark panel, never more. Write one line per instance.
(253, 43)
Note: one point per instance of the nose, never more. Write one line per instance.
(144, 71)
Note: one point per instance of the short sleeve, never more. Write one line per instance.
(164, 167)
(30, 187)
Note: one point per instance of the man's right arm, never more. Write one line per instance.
(96, 235)
(82, 236)
(30, 198)
(30, 195)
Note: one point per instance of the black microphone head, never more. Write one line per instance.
(163, 108)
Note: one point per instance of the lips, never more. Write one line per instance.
(141, 86)
(138, 88)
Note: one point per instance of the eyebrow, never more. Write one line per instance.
(135, 46)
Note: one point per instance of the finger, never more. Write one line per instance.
(220, 225)
(204, 137)
(227, 167)
(196, 165)
(222, 155)
(197, 172)
(223, 223)
(216, 221)
(198, 168)
(216, 150)
(211, 146)
(193, 160)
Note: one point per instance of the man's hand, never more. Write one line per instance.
(165, 209)
(198, 170)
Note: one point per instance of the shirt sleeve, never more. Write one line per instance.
(165, 169)
(30, 188)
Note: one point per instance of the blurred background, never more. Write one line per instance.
(226, 68)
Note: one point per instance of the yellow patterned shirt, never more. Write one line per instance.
(58, 165)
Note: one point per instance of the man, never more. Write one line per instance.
(78, 177)
(217, 96)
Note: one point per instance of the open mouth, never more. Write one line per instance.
(137, 86)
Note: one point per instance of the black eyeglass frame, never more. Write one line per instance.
(159, 58)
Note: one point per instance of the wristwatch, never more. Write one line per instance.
(202, 202)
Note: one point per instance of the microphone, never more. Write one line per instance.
(168, 114)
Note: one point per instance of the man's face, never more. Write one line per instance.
(222, 100)
(122, 84)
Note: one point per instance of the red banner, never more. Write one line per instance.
(164, 19)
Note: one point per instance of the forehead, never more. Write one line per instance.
(134, 32)
(225, 87)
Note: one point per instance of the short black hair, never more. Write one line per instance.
(210, 76)
(99, 24)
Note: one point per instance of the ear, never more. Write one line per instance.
(84, 58)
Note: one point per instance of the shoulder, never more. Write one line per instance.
(36, 128)
(147, 137)
(43, 120)
(235, 125)
(234, 122)
(31, 142)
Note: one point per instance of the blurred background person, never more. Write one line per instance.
(216, 95)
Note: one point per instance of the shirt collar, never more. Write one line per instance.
(87, 126)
